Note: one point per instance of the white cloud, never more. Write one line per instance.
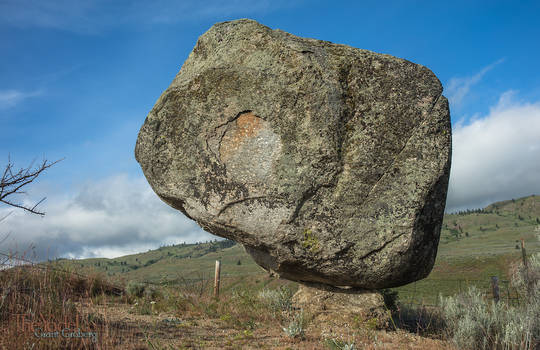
(109, 218)
(10, 98)
(458, 88)
(94, 16)
(497, 156)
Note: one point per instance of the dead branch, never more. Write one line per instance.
(13, 182)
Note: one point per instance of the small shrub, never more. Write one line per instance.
(277, 299)
(475, 324)
(296, 328)
(336, 344)
(97, 284)
(371, 324)
(152, 293)
(143, 308)
(244, 296)
(135, 289)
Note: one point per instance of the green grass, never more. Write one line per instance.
(172, 264)
(488, 250)
(473, 247)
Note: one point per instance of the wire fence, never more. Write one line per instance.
(421, 293)
(428, 292)
(11, 261)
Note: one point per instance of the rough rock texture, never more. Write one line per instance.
(328, 303)
(329, 163)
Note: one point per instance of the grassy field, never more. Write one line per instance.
(478, 245)
(175, 308)
(70, 312)
(474, 246)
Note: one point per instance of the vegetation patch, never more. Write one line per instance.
(473, 322)
(310, 242)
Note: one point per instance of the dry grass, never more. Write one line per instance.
(37, 303)
(42, 308)
(476, 323)
(243, 318)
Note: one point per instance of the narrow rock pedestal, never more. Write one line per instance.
(342, 305)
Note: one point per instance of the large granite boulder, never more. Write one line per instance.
(329, 163)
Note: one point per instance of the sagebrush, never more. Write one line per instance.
(474, 323)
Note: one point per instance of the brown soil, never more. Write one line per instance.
(167, 331)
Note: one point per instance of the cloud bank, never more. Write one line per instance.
(496, 156)
(109, 218)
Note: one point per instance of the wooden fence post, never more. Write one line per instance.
(495, 287)
(523, 253)
(217, 278)
(526, 266)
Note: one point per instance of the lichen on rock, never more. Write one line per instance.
(329, 163)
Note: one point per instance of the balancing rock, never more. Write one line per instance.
(330, 164)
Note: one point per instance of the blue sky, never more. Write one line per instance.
(77, 79)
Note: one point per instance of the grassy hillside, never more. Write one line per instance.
(475, 245)
(478, 244)
(494, 231)
(176, 263)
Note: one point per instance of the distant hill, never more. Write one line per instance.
(174, 263)
(495, 229)
(474, 244)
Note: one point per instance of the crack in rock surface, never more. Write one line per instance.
(329, 163)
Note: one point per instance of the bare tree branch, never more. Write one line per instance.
(12, 183)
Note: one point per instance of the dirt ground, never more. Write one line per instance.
(167, 331)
